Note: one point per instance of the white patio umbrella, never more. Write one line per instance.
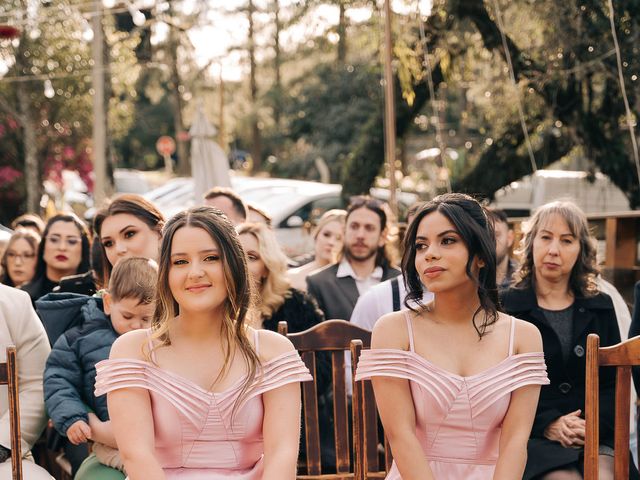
(209, 163)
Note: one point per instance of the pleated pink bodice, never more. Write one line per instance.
(458, 419)
(196, 435)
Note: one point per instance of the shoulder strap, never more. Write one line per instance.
(152, 351)
(512, 335)
(395, 292)
(409, 331)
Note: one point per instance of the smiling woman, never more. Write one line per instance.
(172, 420)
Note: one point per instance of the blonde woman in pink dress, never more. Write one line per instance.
(201, 396)
(456, 382)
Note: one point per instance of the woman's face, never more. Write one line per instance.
(62, 249)
(196, 273)
(441, 255)
(21, 262)
(257, 269)
(329, 242)
(555, 250)
(124, 235)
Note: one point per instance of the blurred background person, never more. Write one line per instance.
(275, 300)
(257, 215)
(555, 289)
(64, 250)
(19, 259)
(30, 221)
(328, 238)
(129, 226)
(228, 202)
(506, 265)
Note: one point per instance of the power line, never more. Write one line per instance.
(523, 122)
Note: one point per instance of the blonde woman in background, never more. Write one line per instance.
(275, 300)
(329, 239)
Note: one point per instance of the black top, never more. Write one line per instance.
(299, 310)
(39, 287)
(561, 321)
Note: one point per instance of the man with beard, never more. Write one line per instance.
(363, 264)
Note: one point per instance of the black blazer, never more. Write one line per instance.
(337, 297)
(566, 392)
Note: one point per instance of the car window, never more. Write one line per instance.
(310, 212)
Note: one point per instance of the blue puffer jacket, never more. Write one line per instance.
(70, 374)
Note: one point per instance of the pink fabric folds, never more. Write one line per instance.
(196, 435)
(458, 419)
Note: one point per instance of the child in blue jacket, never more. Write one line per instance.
(70, 372)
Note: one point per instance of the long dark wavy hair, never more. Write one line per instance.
(236, 274)
(582, 281)
(476, 231)
(85, 259)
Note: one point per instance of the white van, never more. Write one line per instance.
(597, 195)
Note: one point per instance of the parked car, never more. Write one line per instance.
(293, 205)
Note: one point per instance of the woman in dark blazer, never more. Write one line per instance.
(556, 290)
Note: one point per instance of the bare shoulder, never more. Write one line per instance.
(527, 337)
(272, 344)
(390, 331)
(130, 345)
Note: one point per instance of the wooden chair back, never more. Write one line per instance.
(369, 461)
(333, 337)
(622, 356)
(9, 377)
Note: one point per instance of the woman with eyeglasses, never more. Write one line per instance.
(19, 260)
(63, 251)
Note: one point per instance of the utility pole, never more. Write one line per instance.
(99, 114)
(389, 109)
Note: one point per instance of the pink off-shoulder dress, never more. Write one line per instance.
(196, 435)
(458, 419)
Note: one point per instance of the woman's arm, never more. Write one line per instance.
(131, 417)
(516, 427)
(395, 404)
(102, 431)
(281, 423)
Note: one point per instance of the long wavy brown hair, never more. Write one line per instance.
(236, 274)
(582, 280)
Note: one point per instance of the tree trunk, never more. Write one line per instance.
(342, 33)
(277, 61)
(256, 138)
(183, 166)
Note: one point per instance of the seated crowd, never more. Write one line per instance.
(151, 347)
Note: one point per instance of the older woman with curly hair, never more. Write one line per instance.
(556, 290)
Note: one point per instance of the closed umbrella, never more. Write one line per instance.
(209, 163)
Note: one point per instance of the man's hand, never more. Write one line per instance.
(568, 430)
(79, 432)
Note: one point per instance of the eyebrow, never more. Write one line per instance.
(441, 234)
(562, 234)
(120, 231)
(209, 250)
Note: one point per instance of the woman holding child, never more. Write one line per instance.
(456, 382)
(235, 416)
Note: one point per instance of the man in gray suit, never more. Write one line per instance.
(364, 263)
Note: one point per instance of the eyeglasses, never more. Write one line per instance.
(70, 241)
(13, 256)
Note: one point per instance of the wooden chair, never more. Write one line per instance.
(621, 356)
(333, 337)
(9, 377)
(370, 462)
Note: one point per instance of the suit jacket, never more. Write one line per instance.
(337, 297)
(20, 326)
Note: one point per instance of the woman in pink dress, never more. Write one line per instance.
(201, 395)
(456, 382)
